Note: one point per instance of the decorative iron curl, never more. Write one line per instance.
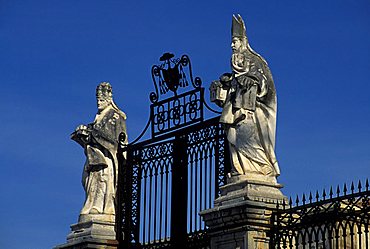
(155, 95)
(185, 60)
(197, 82)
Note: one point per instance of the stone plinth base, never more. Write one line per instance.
(91, 233)
(241, 216)
(89, 243)
(239, 188)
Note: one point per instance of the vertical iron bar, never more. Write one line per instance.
(344, 236)
(206, 179)
(122, 185)
(367, 234)
(168, 118)
(144, 218)
(151, 117)
(166, 207)
(179, 192)
(330, 237)
(210, 175)
(169, 207)
(196, 191)
(316, 239)
(184, 101)
(191, 191)
(291, 241)
(297, 240)
(155, 203)
(150, 204)
(359, 228)
(217, 159)
(201, 153)
(161, 204)
(351, 228)
(202, 103)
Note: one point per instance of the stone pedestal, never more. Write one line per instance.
(91, 233)
(241, 216)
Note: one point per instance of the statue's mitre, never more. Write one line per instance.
(104, 90)
(238, 27)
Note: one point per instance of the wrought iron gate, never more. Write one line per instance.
(164, 182)
(167, 180)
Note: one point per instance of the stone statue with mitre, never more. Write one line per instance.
(100, 141)
(248, 98)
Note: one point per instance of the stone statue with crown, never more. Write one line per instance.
(248, 98)
(99, 140)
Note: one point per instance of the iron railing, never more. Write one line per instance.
(336, 219)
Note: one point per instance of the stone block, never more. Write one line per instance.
(241, 215)
(91, 234)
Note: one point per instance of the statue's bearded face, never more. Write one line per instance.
(236, 45)
(102, 102)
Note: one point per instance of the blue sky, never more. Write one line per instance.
(54, 53)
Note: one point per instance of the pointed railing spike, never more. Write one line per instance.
(304, 199)
(290, 201)
(338, 191)
(297, 201)
(310, 197)
(284, 203)
(345, 189)
(324, 194)
(352, 187)
(359, 186)
(317, 195)
(331, 192)
(367, 184)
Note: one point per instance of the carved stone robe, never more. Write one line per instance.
(249, 115)
(101, 168)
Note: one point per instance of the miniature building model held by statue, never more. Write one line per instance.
(248, 98)
(100, 142)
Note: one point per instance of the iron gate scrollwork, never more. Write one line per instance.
(165, 181)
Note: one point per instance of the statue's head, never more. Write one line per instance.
(103, 95)
(238, 32)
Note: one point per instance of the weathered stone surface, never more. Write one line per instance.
(242, 214)
(94, 228)
(90, 244)
(248, 98)
(240, 188)
(100, 139)
(91, 234)
(241, 218)
(100, 142)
